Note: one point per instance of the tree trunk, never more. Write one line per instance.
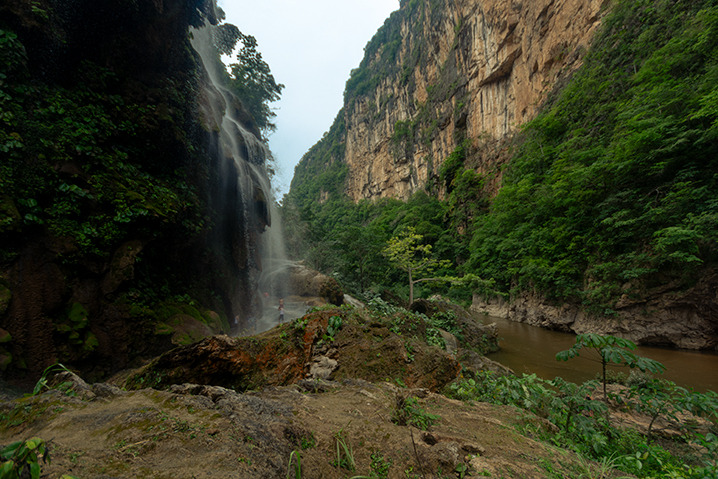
(411, 289)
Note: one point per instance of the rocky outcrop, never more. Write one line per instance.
(454, 70)
(304, 349)
(682, 319)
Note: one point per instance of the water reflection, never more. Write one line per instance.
(529, 349)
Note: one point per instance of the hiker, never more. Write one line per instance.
(281, 311)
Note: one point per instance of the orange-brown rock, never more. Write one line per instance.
(494, 62)
(290, 352)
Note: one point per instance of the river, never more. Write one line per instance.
(529, 349)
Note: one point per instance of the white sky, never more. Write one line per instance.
(311, 46)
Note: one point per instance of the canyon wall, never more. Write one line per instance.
(467, 69)
(446, 85)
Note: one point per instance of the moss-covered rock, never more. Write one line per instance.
(187, 329)
(363, 347)
(470, 331)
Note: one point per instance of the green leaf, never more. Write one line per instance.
(10, 449)
(7, 469)
(34, 470)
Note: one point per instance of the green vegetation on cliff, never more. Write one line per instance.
(612, 188)
(610, 191)
(110, 181)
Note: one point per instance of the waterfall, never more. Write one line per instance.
(242, 153)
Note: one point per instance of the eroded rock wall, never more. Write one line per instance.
(682, 319)
(482, 68)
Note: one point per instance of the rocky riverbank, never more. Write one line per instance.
(666, 317)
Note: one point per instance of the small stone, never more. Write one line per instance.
(473, 448)
(367, 394)
(106, 390)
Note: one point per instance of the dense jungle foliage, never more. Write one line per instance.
(74, 157)
(110, 178)
(610, 191)
(95, 155)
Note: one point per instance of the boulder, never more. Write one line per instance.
(307, 282)
(187, 330)
(322, 367)
(474, 361)
(352, 301)
(68, 381)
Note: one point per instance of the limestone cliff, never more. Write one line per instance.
(665, 316)
(441, 71)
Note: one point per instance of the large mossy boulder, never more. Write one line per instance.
(357, 345)
(306, 282)
(473, 334)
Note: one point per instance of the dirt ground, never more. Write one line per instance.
(365, 403)
(208, 431)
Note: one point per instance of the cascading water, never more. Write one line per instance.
(243, 154)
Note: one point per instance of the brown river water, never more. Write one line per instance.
(529, 349)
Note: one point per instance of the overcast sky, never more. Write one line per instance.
(311, 46)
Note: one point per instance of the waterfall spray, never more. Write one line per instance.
(242, 153)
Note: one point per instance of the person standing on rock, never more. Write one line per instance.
(281, 311)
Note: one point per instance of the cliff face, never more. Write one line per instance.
(467, 69)
(120, 210)
(604, 203)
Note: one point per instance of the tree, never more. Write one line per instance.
(359, 248)
(253, 82)
(611, 349)
(407, 253)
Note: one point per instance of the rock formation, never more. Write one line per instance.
(451, 82)
(117, 194)
(665, 317)
(448, 71)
